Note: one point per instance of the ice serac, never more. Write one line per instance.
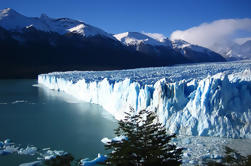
(204, 99)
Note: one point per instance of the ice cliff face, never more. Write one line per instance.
(204, 99)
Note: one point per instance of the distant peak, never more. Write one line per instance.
(137, 38)
(130, 34)
(44, 16)
(8, 11)
(180, 42)
(134, 33)
(157, 36)
(248, 42)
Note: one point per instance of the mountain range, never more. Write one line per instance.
(34, 45)
(236, 51)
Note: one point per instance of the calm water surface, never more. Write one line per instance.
(32, 115)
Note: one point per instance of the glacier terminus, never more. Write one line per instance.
(210, 99)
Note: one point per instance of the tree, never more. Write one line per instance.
(146, 142)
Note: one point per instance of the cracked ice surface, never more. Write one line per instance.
(212, 99)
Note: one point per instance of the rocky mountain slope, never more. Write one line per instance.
(33, 45)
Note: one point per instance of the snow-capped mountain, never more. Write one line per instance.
(148, 43)
(196, 53)
(236, 51)
(136, 38)
(33, 45)
(181, 45)
(11, 20)
(152, 45)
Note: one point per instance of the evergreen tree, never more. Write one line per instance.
(146, 143)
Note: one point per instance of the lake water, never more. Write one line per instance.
(33, 115)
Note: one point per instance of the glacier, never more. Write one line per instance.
(211, 99)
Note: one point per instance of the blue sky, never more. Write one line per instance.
(116, 16)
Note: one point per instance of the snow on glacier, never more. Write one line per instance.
(212, 99)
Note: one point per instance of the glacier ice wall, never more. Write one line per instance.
(209, 105)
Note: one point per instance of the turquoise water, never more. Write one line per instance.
(33, 115)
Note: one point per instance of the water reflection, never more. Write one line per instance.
(51, 119)
(81, 105)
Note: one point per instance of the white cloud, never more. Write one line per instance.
(208, 34)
